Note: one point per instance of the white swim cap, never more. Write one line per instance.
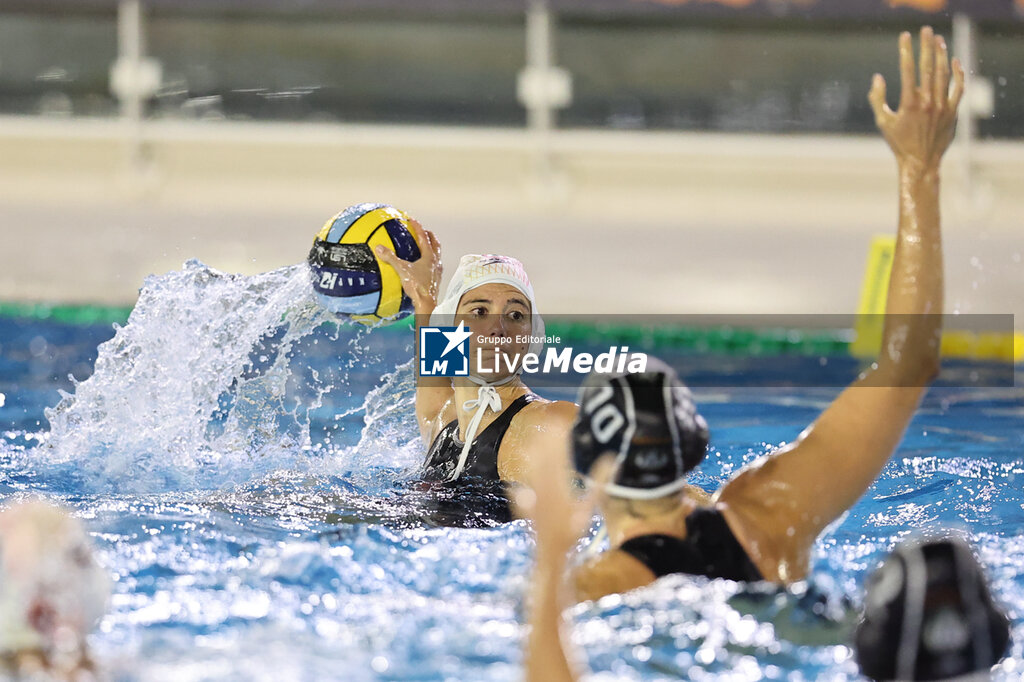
(46, 563)
(476, 270)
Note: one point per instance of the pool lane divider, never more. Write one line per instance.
(730, 340)
(717, 339)
(67, 313)
(722, 339)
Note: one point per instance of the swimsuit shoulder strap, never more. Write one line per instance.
(449, 434)
(483, 457)
(495, 431)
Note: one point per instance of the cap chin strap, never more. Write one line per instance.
(486, 398)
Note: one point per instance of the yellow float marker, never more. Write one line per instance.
(997, 346)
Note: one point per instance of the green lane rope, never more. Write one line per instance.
(720, 339)
(67, 313)
(717, 339)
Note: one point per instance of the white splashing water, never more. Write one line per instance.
(390, 434)
(173, 403)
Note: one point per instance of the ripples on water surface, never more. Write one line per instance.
(236, 461)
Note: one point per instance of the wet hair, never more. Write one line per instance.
(649, 422)
(928, 615)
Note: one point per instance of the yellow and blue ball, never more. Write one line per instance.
(347, 277)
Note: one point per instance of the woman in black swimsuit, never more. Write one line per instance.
(774, 508)
(481, 430)
(768, 516)
(649, 424)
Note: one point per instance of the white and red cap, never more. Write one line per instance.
(476, 270)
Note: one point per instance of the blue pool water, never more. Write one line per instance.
(239, 464)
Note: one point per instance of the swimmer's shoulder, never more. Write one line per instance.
(766, 520)
(540, 422)
(611, 572)
(701, 497)
(541, 411)
(541, 429)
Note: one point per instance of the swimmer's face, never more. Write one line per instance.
(499, 317)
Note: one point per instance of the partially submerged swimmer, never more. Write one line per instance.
(772, 510)
(489, 425)
(929, 615)
(648, 423)
(52, 593)
(482, 430)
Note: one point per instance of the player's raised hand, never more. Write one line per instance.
(421, 278)
(921, 129)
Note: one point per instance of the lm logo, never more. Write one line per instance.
(444, 351)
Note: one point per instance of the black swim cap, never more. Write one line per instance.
(928, 615)
(648, 421)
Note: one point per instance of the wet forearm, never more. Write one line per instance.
(911, 337)
(546, 656)
(916, 283)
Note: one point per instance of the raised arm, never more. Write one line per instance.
(421, 280)
(558, 521)
(547, 658)
(778, 505)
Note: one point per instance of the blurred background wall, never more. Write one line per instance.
(637, 155)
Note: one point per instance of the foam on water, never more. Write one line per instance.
(235, 454)
(686, 627)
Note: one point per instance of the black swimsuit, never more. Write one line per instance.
(482, 462)
(477, 498)
(710, 548)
